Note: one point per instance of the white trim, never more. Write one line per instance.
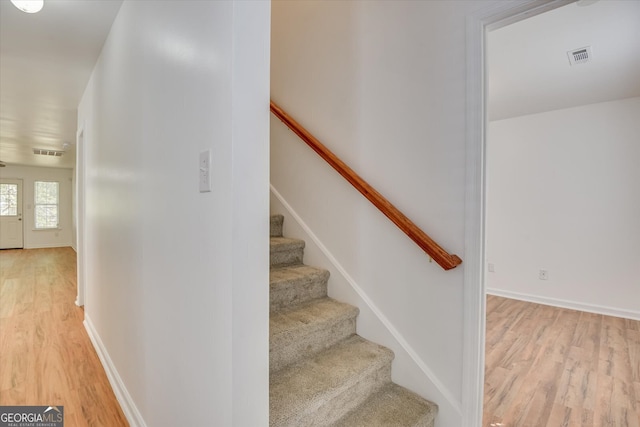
(49, 245)
(444, 391)
(572, 305)
(492, 17)
(80, 243)
(474, 301)
(124, 398)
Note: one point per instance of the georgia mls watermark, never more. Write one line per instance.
(31, 416)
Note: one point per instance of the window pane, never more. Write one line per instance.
(46, 192)
(8, 199)
(46, 216)
(46, 204)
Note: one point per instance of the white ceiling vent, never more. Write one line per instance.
(579, 56)
(44, 152)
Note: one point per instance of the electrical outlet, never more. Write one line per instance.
(491, 268)
(543, 275)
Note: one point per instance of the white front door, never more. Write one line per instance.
(11, 230)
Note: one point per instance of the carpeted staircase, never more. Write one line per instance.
(321, 372)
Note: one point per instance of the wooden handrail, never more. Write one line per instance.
(435, 251)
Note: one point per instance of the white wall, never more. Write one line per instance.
(563, 196)
(44, 238)
(167, 279)
(382, 84)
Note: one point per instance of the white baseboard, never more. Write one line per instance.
(573, 305)
(124, 398)
(49, 246)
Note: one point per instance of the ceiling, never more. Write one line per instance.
(46, 60)
(528, 67)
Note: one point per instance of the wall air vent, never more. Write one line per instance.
(45, 152)
(579, 56)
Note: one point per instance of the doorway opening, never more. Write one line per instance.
(478, 25)
(545, 207)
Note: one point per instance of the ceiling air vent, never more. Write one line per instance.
(44, 152)
(579, 56)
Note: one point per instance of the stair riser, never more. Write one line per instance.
(288, 348)
(339, 405)
(276, 225)
(298, 292)
(286, 257)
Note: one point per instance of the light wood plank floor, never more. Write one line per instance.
(554, 367)
(46, 357)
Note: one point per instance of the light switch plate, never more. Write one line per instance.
(205, 171)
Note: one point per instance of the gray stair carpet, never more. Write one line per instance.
(321, 372)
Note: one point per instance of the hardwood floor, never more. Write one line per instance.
(554, 367)
(46, 357)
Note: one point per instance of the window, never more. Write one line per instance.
(46, 204)
(8, 199)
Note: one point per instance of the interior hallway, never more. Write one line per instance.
(46, 356)
(548, 366)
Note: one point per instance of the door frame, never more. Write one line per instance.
(479, 23)
(80, 216)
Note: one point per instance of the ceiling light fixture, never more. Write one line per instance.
(29, 6)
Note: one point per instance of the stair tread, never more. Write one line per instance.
(392, 406)
(279, 243)
(287, 275)
(298, 390)
(313, 315)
